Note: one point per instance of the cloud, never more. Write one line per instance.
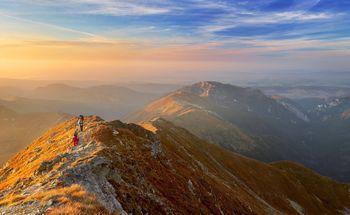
(107, 7)
(228, 21)
(50, 26)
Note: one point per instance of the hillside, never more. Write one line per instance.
(242, 120)
(331, 124)
(328, 132)
(18, 130)
(123, 168)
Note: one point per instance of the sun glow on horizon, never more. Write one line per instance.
(52, 40)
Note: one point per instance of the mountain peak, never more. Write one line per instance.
(220, 90)
(205, 88)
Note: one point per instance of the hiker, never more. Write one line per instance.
(81, 122)
(75, 139)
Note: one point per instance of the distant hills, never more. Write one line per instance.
(123, 168)
(106, 100)
(301, 92)
(309, 130)
(17, 130)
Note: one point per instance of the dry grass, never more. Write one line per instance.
(71, 200)
(75, 200)
(150, 127)
(74, 192)
(78, 209)
(12, 199)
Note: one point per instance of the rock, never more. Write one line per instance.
(94, 176)
(50, 203)
(37, 150)
(114, 176)
(46, 166)
(156, 149)
(191, 187)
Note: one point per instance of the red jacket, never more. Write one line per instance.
(75, 140)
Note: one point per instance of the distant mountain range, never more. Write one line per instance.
(313, 131)
(300, 92)
(106, 100)
(123, 168)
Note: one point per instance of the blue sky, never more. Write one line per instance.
(209, 19)
(238, 29)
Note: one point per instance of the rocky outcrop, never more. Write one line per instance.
(94, 176)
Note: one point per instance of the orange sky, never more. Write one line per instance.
(129, 60)
(39, 45)
(51, 59)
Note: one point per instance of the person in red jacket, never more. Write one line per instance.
(75, 139)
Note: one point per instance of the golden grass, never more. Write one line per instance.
(149, 127)
(76, 201)
(71, 200)
(77, 209)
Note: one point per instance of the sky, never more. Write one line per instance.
(171, 39)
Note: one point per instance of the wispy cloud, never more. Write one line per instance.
(107, 7)
(232, 20)
(51, 26)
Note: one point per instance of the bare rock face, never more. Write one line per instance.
(94, 176)
(122, 168)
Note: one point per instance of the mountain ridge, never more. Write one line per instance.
(124, 168)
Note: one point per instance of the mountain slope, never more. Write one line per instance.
(18, 130)
(243, 120)
(332, 140)
(124, 168)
